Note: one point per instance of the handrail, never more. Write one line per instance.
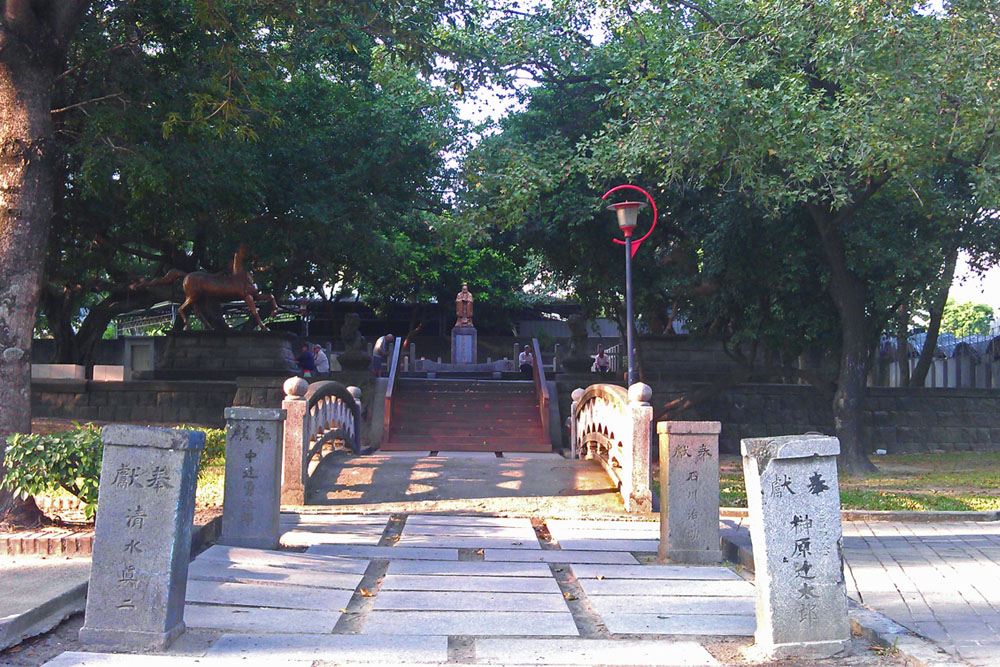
(541, 386)
(610, 424)
(393, 366)
(315, 416)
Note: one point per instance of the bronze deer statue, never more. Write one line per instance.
(199, 285)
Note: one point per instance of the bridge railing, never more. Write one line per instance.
(541, 387)
(612, 426)
(317, 414)
(393, 368)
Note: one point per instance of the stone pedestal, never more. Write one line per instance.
(794, 510)
(253, 478)
(142, 540)
(463, 345)
(689, 492)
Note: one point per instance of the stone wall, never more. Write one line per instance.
(897, 419)
(137, 402)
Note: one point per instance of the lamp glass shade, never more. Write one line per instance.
(628, 213)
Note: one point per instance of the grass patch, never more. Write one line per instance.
(955, 481)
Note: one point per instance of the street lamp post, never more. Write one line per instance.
(628, 213)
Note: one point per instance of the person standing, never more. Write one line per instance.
(306, 362)
(383, 346)
(322, 361)
(526, 362)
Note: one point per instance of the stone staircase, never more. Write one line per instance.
(466, 415)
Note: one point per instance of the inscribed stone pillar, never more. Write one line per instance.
(250, 509)
(464, 345)
(635, 489)
(794, 509)
(293, 488)
(142, 540)
(689, 491)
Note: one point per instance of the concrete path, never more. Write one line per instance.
(543, 485)
(940, 580)
(431, 589)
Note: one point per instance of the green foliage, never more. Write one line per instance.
(967, 318)
(70, 461)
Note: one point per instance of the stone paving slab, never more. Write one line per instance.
(530, 555)
(308, 538)
(283, 597)
(334, 529)
(609, 544)
(295, 518)
(591, 651)
(84, 659)
(470, 568)
(489, 623)
(407, 582)
(680, 624)
(278, 648)
(357, 551)
(618, 529)
(585, 571)
(242, 619)
(444, 541)
(665, 587)
(464, 520)
(283, 559)
(675, 604)
(251, 573)
(466, 601)
(512, 532)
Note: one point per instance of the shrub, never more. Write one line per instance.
(39, 464)
(71, 461)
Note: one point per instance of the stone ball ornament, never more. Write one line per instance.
(640, 392)
(295, 387)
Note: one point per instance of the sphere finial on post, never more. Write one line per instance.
(295, 388)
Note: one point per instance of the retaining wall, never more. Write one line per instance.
(896, 419)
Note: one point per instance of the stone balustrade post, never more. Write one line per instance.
(635, 491)
(295, 440)
(573, 433)
(689, 492)
(142, 541)
(794, 509)
(251, 505)
(356, 436)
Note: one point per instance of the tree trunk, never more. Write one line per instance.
(903, 343)
(26, 191)
(936, 309)
(848, 293)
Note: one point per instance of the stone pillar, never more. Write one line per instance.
(635, 491)
(253, 478)
(142, 540)
(293, 489)
(794, 509)
(463, 345)
(689, 492)
(574, 446)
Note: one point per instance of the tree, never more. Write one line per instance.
(835, 108)
(967, 318)
(35, 36)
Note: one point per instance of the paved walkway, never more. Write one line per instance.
(940, 580)
(459, 589)
(543, 485)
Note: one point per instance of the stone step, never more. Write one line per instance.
(425, 385)
(406, 444)
(470, 432)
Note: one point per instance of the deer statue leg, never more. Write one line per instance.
(182, 311)
(201, 315)
(253, 311)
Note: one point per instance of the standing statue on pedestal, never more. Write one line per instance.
(463, 335)
(463, 307)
